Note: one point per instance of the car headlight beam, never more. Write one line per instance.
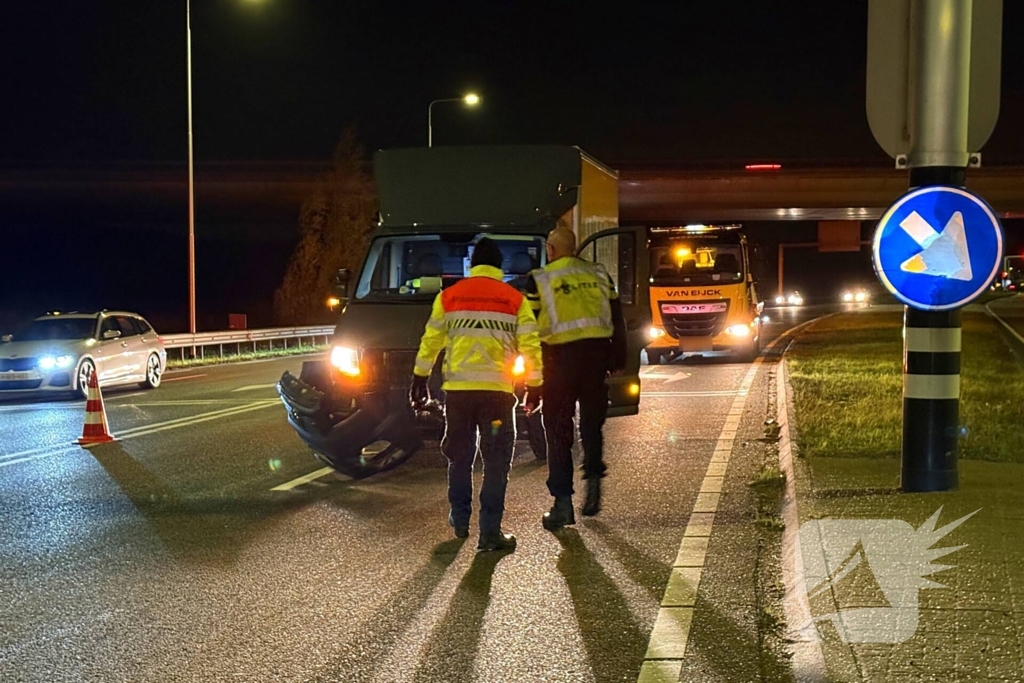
(346, 360)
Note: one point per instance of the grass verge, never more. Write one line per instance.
(177, 363)
(847, 381)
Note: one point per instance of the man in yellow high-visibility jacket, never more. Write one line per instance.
(482, 324)
(583, 338)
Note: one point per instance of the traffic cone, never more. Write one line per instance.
(95, 430)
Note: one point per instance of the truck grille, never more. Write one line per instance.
(17, 364)
(695, 324)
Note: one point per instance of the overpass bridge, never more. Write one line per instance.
(648, 192)
(661, 193)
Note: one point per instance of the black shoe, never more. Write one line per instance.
(592, 505)
(498, 541)
(560, 515)
(461, 529)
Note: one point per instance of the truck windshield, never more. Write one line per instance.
(680, 261)
(417, 266)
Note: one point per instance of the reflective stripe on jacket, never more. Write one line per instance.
(573, 301)
(483, 324)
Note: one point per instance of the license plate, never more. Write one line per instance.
(694, 344)
(16, 376)
(683, 309)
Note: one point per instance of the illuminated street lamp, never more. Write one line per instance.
(469, 99)
(191, 179)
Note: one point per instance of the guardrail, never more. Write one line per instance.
(257, 339)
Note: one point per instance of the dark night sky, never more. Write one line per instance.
(87, 83)
(277, 79)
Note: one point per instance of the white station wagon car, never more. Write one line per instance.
(59, 352)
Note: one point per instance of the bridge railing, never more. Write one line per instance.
(241, 341)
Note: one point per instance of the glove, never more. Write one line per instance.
(532, 399)
(418, 392)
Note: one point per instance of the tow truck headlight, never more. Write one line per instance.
(655, 332)
(738, 330)
(346, 360)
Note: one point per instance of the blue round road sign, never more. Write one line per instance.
(938, 247)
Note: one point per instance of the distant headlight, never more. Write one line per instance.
(346, 360)
(861, 297)
(738, 330)
(847, 297)
(655, 332)
(795, 300)
(780, 300)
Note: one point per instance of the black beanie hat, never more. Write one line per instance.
(486, 253)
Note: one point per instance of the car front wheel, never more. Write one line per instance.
(154, 372)
(85, 373)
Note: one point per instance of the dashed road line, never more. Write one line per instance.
(254, 387)
(304, 479)
(144, 430)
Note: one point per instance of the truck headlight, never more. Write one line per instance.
(346, 360)
(655, 332)
(738, 330)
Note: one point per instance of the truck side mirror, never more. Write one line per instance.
(341, 282)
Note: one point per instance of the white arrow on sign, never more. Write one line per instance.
(944, 254)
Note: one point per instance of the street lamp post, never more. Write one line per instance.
(191, 181)
(469, 99)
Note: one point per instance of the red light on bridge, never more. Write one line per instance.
(763, 167)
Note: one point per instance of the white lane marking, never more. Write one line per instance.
(304, 479)
(1015, 333)
(808, 659)
(688, 393)
(179, 379)
(254, 387)
(667, 646)
(671, 631)
(145, 430)
(679, 376)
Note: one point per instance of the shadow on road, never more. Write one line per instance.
(453, 647)
(375, 638)
(614, 642)
(646, 570)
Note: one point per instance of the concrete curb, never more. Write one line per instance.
(808, 658)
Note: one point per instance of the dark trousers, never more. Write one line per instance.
(489, 414)
(575, 373)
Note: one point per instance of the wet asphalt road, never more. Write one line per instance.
(167, 556)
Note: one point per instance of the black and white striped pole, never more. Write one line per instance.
(939, 246)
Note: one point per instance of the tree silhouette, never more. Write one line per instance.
(334, 228)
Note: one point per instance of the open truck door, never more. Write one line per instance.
(623, 252)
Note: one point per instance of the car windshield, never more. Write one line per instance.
(418, 266)
(58, 328)
(682, 259)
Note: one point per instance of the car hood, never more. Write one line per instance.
(46, 347)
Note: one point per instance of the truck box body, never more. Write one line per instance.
(523, 187)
